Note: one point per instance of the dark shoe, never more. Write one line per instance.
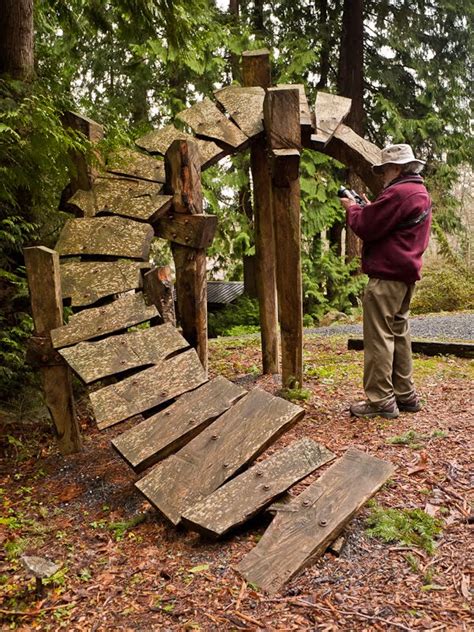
(410, 404)
(388, 410)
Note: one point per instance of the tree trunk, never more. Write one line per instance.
(16, 39)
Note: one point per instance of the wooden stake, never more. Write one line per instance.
(158, 286)
(282, 126)
(42, 268)
(256, 72)
(183, 181)
(85, 174)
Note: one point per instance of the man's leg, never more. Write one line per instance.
(402, 372)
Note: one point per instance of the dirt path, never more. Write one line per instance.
(124, 568)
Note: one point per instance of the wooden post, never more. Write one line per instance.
(42, 268)
(256, 72)
(85, 174)
(183, 181)
(282, 126)
(158, 286)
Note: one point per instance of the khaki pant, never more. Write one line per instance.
(388, 367)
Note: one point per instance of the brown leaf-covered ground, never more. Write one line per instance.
(124, 568)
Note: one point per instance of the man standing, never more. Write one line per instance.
(395, 231)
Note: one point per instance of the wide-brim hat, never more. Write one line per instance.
(398, 155)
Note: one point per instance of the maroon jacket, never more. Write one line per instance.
(390, 250)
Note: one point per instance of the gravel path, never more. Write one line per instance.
(456, 326)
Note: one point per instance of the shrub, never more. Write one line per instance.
(237, 318)
(444, 288)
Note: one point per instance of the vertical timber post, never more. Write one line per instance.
(256, 71)
(85, 174)
(42, 268)
(282, 125)
(183, 181)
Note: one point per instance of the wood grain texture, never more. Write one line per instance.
(95, 360)
(195, 231)
(85, 282)
(42, 268)
(136, 165)
(158, 141)
(244, 496)
(234, 439)
(358, 153)
(147, 389)
(127, 311)
(244, 106)
(256, 68)
(298, 535)
(158, 288)
(111, 236)
(206, 120)
(183, 177)
(162, 434)
(330, 111)
(116, 195)
(191, 289)
(281, 113)
(84, 173)
(305, 112)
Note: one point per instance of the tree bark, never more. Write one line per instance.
(16, 39)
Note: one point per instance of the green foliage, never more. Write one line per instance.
(295, 394)
(444, 288)
(414, 440)
(411, 527)
(240, 317)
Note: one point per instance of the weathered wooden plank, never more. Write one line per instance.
(330, 111)
(85, 282)
(111, 236)
(298, 535)
(158, 288)
(283, 131)
(42, 269)
(137, 199)
(183, 177)
(195, 231)
(84, 173)
(256, 71)
(356, 152)
(158, 141)
(127, 311)
(305, 112)
(244, 106)
(147, 389)
(95, 360)
(282, 125)
(136, 165)
(234, 439)
(244, 496)
(162, 434)
(206, 120)
(427, 347)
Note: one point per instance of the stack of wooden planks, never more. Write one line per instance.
(197, 442)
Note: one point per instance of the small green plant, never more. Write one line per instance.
(120, 528)
(295, 394)
(412, 562)
(411, 527)
(414, 440)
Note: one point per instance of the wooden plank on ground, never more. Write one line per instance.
(95, 360)
(298, 535)
(195, 231)
(427, 347)
(233, 440)
(136, 165)
(168, 430)
(85, 282)
(109, 236)
(158, 141)
(127, 311)
(206, 120)
(117, 195)
(330, 111)
(244, 496)
(244, 106)
(147, 389)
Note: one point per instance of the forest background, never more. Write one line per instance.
(134, 64)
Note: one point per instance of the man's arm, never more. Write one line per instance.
(376, 219)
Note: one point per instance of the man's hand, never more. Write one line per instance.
(347, 202)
